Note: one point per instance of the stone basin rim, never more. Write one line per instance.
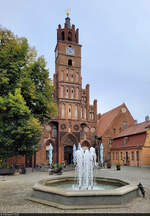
(124, 189)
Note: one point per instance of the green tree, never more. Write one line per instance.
(26, 101)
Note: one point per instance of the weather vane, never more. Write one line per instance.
(68, 12)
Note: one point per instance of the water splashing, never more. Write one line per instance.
(84, 171)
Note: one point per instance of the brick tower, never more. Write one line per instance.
(76, 120)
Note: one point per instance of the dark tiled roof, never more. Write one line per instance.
(135, 141)
(106, 119)
(134, 129)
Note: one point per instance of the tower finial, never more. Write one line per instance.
(68, 12)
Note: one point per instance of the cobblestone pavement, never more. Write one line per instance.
(14, 190)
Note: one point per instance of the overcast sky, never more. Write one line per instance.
(115, 38)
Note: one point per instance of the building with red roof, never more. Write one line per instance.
(110, 124)
(132, 146)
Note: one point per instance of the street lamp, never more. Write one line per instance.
(33, 158)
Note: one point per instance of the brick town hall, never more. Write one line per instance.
(76, 122)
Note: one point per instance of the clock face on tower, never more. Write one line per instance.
(70, 51)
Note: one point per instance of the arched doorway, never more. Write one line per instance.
(68, 154)
(85, 143)
(69, 141)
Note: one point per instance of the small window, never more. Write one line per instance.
(62, 35)
(110, 141)
(132, 154)
(69, 112)
(120, 130)
(69, 62)
(114, 130)
(137, 156)
(124, 123)
(69, 36)
(125, 140)
(54, 132)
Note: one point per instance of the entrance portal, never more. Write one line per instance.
(68, 154)
(69, 141)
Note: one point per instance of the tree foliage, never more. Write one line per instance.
(26, 100)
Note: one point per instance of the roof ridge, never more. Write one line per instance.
(113, 109)
(134, 129)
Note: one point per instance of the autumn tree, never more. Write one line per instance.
(26, 101)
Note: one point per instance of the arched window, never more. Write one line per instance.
(63, 111)
(114, 130)
(77, 92)
(62, 35)
(69, 112)
(54, 132)
(84, 113)
(67, 92)
(91, 115)
(72, 93)
(71, 75)
(124, 123)
(69, 62)
(67, 75)
(76, 112)
(69, 36)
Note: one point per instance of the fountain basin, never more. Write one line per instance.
(46, 192)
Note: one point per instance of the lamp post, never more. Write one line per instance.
(33, 158)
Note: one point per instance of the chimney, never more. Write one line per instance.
(147, 118)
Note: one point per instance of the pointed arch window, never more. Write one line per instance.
(72, 93)
(69, 36)
(62, 35)
(67, 92)
(63, 111)
(77, 93)
(67, 75)
(76, 112)
(69, 112)
(84, 113)
(54, 132)
(71, 75)
(69, 62)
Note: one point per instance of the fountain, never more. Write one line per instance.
(85, 190)
(85, 162)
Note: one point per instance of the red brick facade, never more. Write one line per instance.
(132, 146)
(110, 124)
(76, 121)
